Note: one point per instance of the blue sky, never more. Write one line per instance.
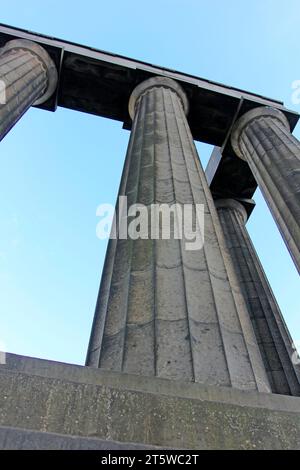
(56, 168)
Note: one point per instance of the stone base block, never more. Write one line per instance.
(46, 404)
(23, 439)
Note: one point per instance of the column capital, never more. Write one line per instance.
(248, 118)
(156, 82)
(234, 205)
(44, 58)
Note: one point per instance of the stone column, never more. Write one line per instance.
(28, 76)
(262, 137)
(163, 310)
(272, 335)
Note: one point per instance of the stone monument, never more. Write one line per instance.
(188, 348)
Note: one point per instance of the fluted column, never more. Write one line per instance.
(163, 310)
(262, 137)
(271, 332)
(28, 76)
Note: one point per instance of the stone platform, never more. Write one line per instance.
(51, 405)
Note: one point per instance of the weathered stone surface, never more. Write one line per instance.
(163, 310)
(29, 77)
(84, 402)
(271, 332)
(262, 137)
(22, 439)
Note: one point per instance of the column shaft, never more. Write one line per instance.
(262, 137)
(28, 76)
(271, 332)
(163, 310)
